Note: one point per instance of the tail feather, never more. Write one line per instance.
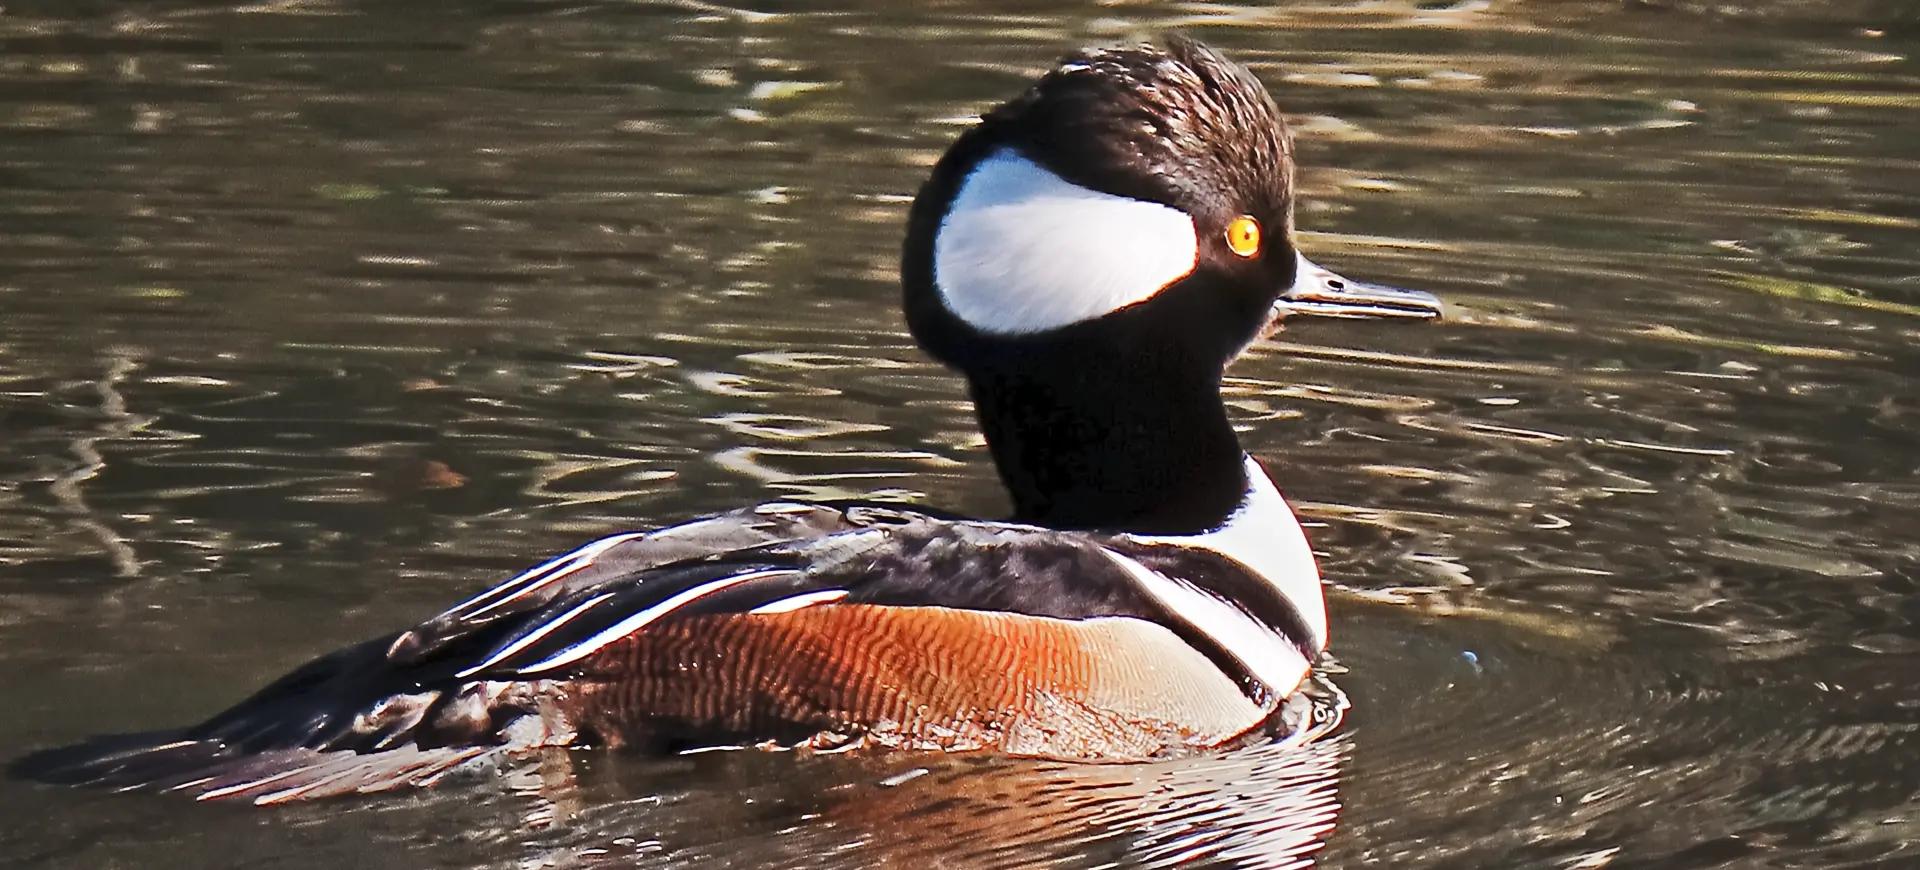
(348, 722)
(120, 761)
(211, 770)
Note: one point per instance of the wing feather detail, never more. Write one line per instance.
(800, 602)
(536, 578)
(535, 636)
(629, 622)
(614, 562)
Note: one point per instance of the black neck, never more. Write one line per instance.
(1121, 444)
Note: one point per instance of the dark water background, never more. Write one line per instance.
(317, 315)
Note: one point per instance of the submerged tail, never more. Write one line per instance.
(211, 770)
(349, 722)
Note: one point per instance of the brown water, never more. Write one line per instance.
(321, 314)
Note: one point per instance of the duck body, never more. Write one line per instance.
(1090, 258)
(809, 625)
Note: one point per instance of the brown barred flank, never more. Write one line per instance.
(1116, 689)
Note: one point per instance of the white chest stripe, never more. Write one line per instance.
(1265, 653)
(1022, 250)
(631, 624)
(1265, 536)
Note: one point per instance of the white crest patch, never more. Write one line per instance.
(1022, 250)
(1264, 535)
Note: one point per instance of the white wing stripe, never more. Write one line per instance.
(543, 573)
(640, 620)
(535, 636)
(531, 587)
(803, 600)
(1271, 658)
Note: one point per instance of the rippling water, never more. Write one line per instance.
(316, 315)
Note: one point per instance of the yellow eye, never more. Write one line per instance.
(1243, 236)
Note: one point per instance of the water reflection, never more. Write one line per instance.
(1268, 806)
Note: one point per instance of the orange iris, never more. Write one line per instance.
(1243, 236)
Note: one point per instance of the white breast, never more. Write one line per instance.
(1264, 535)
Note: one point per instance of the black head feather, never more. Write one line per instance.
(1179, 125)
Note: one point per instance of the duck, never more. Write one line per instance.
(1089, 257)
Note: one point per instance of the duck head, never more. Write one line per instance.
(1148, 184)
(1092, 254)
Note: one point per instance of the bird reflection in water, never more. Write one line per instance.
(1268, 805)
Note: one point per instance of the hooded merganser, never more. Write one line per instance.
(1090, 257)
